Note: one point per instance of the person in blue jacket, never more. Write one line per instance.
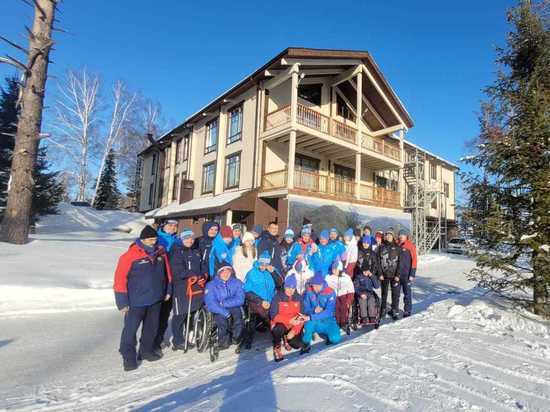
(338, 246)
(325, 255)
(167, 235)
(304, 247)
(188, 281)
(259, 288)
(204, 243)
(220, 255)
(320, 308)
(237, 237)
(224, 298)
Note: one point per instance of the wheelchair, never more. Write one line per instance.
(355, 317)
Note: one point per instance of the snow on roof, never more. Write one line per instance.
(200, 203)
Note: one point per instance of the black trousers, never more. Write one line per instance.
(178, 327)
(148, 317)
(395, 293)
(279, 331)
(165, 309)
(231, 327)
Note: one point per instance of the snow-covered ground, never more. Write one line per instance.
(59, 335)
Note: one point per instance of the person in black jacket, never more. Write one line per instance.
(269, 242)
(204, 243)
(367, 257)
(388, 261)
(365, 283)
(188, 285)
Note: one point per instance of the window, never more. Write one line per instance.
(176, 189)
(232, 170)
(154, 166)
(150, 200)
(307, 164)
(211, 140)
(178, 151)
(344, 172)
(343, 109)
(234, 133)
(185, 149)
(208, 177)
(433, 170)
(311, 93)
(167, 157)
(161, 191)
(446, 189)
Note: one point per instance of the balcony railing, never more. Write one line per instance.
(277, 118)
(379, 145)
(337, 187)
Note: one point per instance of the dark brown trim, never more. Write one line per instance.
(213, 148)
(202, 177)
(234, 154)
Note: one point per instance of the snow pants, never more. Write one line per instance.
(231, 327)
(369, 307)
(280, 330)
(343, 304)
(405, 284)
(165, 309)
(326, 327)
(148, 317)
(395, 289)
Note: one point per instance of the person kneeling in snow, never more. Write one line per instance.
(259, 288)
(319, 308)
(224, 297)
(286, 318)
(143, 280)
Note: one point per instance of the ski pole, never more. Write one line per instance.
(191, 281)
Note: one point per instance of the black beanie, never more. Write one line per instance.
(147, 233)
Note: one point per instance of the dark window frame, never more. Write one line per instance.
(204, 167)
(179, 157)
(238, 175)
(446, 189)
(302, 96)
(151, 194)
(207, 132)
(185, 153)
(238, 136)
(175, 188)
(433, 170)
(154, 164)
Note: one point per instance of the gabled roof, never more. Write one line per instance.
(300, 52)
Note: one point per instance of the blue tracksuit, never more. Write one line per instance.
(338, 247)
(220, 255)
(260, 283)
(324, 322)
(168, 240)
(323, 258)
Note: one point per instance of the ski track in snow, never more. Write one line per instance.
(460, 351)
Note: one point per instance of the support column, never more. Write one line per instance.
(172, 161)
(358, 175)
(294, 98)
(291, 156)
(229, 217)
(401, 186)
(359, 106)
(220, 153)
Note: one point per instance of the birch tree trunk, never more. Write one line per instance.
(15, 226)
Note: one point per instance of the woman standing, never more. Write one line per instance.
(245, 256)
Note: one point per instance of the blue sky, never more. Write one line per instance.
(437, 55)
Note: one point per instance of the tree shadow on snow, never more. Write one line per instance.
(6, 342)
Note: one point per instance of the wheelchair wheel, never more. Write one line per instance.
(354, 315)
(201, 325)
(213, 347)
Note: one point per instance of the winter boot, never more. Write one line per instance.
(406, 314)
(277, 354)
(130, 364)
(306, 347)
(150, 357)
(178, 346)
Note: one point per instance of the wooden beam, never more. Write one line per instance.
(387, 130)
(281, 78)
(345, 99)
(308, 72)
(321, 62)
(348, 74)
(370, 106)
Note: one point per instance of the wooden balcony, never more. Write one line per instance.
(315, 120)
(335, 188)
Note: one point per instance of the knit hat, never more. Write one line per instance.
(390, 232)
(248, 237)
(265, 258)
(258, 229)
(237, 226)
(289, 233)
(403, 232)
(147, 233)
(337, 264)
(317, 279)
(171, 222)
(323, 234)
(290, 282)
(365, 239)
(379, 234)
(226, 232)
(333, 230)
(348, 233)
(306, 231)
(225, 267)
(367, 227)
(186, 234)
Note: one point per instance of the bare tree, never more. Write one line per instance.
(120, 117)
(16, 222)
(77, 122)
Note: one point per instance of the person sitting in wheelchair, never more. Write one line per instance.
(259, 288)
(224, 298)
(365, 282)
(319, 309)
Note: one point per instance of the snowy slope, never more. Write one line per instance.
(460, 351)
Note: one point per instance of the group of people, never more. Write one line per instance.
(296, 287)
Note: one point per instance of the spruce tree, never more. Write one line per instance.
(108, 195)
(8, 129)
(509, 196)
(48, 188)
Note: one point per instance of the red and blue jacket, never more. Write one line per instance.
(142, 278)
(325, 299)
(407, 260)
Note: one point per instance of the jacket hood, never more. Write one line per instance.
(206, 227)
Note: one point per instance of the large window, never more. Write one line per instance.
(178, 151)
(176, 189)
(311, 93)
(167, 157)
(211, 139)
(208, 177)
(232, 170)
(185, 148)
(235, 129)
(446, 189)
(433, 170)
(151, 189)
(154, 165)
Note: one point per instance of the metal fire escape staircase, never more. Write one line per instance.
(419, 197)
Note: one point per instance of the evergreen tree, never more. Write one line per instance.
(8, 129)
(509, 199)
(108, 195)
(48, 188)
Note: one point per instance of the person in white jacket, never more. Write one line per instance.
(341, 283)
(245, 256)
(350, 255)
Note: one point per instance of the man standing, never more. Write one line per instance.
(143, 280)
(237, 237)
(269, 243)
(388, 261)
(407, 270)
(204, 244)
(167, 235)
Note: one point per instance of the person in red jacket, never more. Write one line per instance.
(143, 280)
(286, 319)
(406, 270)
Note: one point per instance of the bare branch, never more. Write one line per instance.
(14, 45)
(14, 62)
(40, 9)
